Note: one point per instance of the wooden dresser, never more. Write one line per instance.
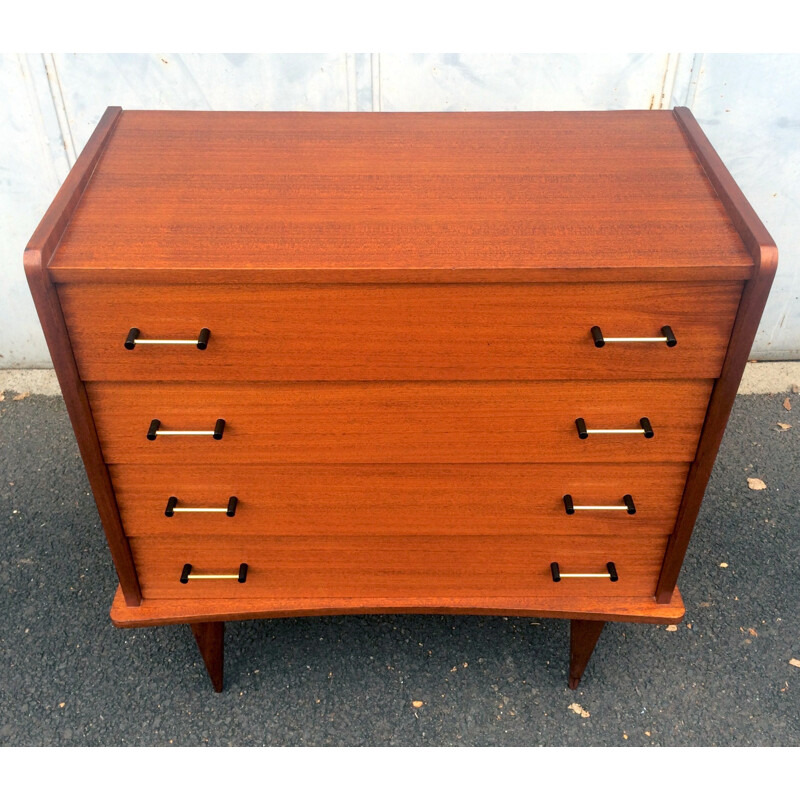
(379, 363)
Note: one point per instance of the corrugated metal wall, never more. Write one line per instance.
(749, 105)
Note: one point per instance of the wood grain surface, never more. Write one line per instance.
(295, 191)
(583, 636)
(412, 500)
(36, 260)
(326, 567)
(616, 609)
(399, 436)
(442, 332)
(210, 638)
(764, 253)
(437, 422)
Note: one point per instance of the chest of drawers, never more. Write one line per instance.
(379, 363)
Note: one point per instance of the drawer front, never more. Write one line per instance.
(413, 500)
(400, 422)
(371, 332)
(396, 566)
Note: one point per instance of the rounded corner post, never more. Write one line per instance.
(36, 261)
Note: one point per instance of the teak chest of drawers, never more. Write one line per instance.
(379, 363)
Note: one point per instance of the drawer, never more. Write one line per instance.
(420, 422)
(406, 332)
(396, 566)
(413, 500)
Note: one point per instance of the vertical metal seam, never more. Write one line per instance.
(36, 111)
(694, 78)
(375, 77)
(660, 103)
(668, 81)
(351, 80)
(57, 97)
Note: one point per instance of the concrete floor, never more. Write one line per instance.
(723, 678)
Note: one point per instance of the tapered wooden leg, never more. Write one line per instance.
(583, 636)
(210, 638)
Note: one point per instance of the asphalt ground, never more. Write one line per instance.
(68, 677)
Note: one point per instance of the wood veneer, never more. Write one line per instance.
(583, 636)
(613, 609)
(37, 257)
(400, 307)
(384, 422)
(281, 567)
(387, 333)
(764, 252)
(410, 500)
(293, 192)
(210, 638)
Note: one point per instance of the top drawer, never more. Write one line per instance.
(399, 332)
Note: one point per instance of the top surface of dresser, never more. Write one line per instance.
(612, 195)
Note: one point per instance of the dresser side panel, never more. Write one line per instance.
(765, 256)
(37, 256)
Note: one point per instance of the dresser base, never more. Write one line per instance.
(175, 612)
(207, 618)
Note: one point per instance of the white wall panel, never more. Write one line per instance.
(49, 105)
(90, 83)
(461, 82)
(749, 107)
(33, 164)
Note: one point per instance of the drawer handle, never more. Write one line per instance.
(171, 508)
(570, 508)
(155, 430)
(187, 575)
(133, 339)
(557, 574)
(583, 431)
(667, 336)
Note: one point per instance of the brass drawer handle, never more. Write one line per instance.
(201, 342)
(187, 575)
(155, 430)
(172, 509)
(571, 508)
(557, 574)
(668, 337)
(583, 431)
